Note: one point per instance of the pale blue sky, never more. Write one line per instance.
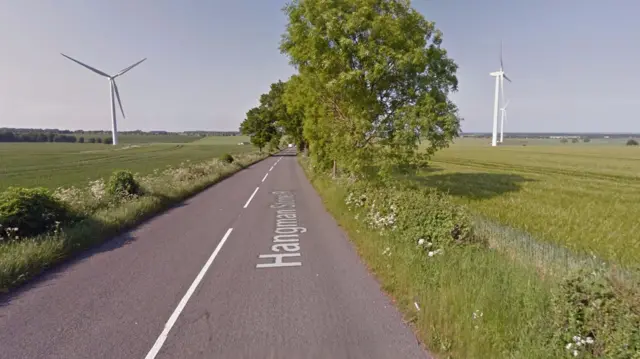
(573, 62)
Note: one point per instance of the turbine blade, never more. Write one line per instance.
(87, 66)
(507, 104)
(129, 68)
(506, 77)
(501, 67)
(115, 87)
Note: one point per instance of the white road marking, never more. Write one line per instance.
(265, 177)
(183, 302)
(270, 169)
(250, 198)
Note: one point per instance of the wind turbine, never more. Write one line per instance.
(500, 75)
(503, 117)
(114, 93)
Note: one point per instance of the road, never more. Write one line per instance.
(253, 267)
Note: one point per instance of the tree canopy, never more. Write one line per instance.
(371, 90)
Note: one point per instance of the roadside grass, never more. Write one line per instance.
(53, 165)
(103, 217)
(512, 304)
(581, 197)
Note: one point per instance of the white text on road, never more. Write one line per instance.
(287, 232)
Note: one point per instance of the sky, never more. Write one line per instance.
(574, 63)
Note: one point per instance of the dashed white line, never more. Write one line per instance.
(271, 169)
(183, 302)
(265, 177)
(250, 198)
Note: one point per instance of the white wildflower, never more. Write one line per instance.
(575, 353)
(589, 340)
(569, 345)
(420, 241)
(431, 254)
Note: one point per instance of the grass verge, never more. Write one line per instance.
(21, 260)
(474, 300)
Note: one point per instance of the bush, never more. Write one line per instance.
(108, 141)
(32, 210)
(632, 142)
(586, 139)
(564, 140)
(413, 213)
(595, 317)
(575, 140)
(123, 184)
(227, 158)
(81, 140)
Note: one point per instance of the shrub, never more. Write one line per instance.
(108, 141)
(99, 140)
(632, 142)
(227, 158)
(575, 140)
(123, 184)
(564, 140)
(81, 139)
(594, 317)
(586, 139)
(32, 210)
(414, 213)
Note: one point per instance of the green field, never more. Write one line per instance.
(63, 164)
(585, 197)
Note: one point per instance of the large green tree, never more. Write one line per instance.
(259, 126)
(267, 123)
(373, 81)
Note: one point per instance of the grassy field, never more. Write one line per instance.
(582, 196)
(63, 164)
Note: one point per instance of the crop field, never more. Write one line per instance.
(585, 197)
(53, 165)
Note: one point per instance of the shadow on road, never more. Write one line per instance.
(48, 276)
(476, 186)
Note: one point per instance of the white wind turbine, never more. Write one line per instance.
(114, 93)
(500, 75)
(503, 117)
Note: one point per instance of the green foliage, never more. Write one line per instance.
(373, 82)
(632, 142)
(108, 141)
(564, 140)
(412, 213)
(227, 158)
(586, 140)
(123, 184)
(575, 140)
(597, 318)
(32, 211)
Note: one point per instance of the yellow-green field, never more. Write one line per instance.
(585, 197)
(53, 165)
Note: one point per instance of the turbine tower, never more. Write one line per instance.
(113, 88)
(500, 75)
(503, 117)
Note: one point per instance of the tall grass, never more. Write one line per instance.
(496, 294)
(104, 217)
(511, 304)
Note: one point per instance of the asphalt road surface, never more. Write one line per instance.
(253, 267)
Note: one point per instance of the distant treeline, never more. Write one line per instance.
(136, 132)
(33, 136)
(554, 135)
